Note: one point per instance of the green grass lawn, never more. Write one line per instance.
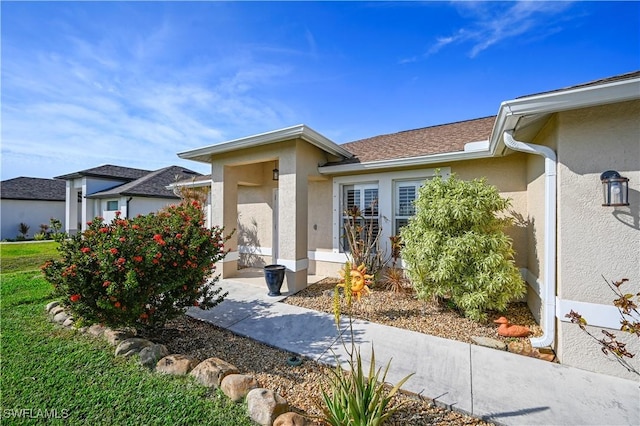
(26, 256)
(50, 371)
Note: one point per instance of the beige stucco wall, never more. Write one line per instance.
(507, 173)
(596, 241)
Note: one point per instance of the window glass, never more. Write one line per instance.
(405, 197)
(112, 205)
(364, 197)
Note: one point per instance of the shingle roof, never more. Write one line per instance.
(425, 141)
(28, 188)
(108, 171)
(152, 184)
(621, 77)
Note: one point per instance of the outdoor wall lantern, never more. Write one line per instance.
(276, 173)
(615, 189)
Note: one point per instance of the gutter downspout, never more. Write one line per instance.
(126, 216)
(548, 292)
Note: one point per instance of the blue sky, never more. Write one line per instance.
(85, 84)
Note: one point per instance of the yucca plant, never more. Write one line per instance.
(354, 398)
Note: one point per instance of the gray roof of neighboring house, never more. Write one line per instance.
(153, 184)
(418, 142)
(108, 171)
(29, 188)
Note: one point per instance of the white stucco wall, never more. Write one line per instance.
(33, 213)
(141, 205)
(596, 241)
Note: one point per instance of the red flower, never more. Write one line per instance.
(118, 213)
(122, 239)
(137, 258)
(136, 227)
(178, 235)
(114, 250)
(104, 230)
(158, 239)
(117, 304)
(106, 284)
(85, 249)
(74, 297)
(121, 261)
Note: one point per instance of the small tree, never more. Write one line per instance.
(455, 246)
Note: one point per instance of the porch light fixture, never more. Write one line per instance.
(615, 189)
(275, 173)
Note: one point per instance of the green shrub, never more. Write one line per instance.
(139, 272)
(455, 247)
(40, 236)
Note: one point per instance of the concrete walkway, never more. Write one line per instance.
(497, 386)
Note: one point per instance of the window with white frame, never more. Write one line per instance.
(364, 198)
(112, 206)
(405, 196)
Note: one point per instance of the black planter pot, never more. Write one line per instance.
(274, 276)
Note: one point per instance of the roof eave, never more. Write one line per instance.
(583, 97)
(405, 162)
(300, 131)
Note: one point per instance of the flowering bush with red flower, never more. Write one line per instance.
(140, 272)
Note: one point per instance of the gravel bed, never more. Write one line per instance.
(404, 310)
(300, 385)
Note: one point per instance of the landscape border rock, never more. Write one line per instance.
(211, 371)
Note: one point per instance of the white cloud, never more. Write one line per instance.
(494, 22)
(94, 101)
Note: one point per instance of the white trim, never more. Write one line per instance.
(547, 103)
(385, 182)
(190, 184)
(300, 131)
(425, 160)
(596, 315)
(260, 251)
(327, 256)
(294, 265)
(231, 256)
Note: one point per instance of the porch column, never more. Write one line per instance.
(293, 218)
(224, 212)
(71, 209)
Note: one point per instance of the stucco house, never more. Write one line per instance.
(103, 190)
(29, 200)
(285, 190)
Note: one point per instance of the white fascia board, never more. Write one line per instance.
(300, 131)
(190, 184)
(405, 162)
(582, 97)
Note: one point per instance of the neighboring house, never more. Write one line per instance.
(104, 190)
(545, 151)
(33, 201)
